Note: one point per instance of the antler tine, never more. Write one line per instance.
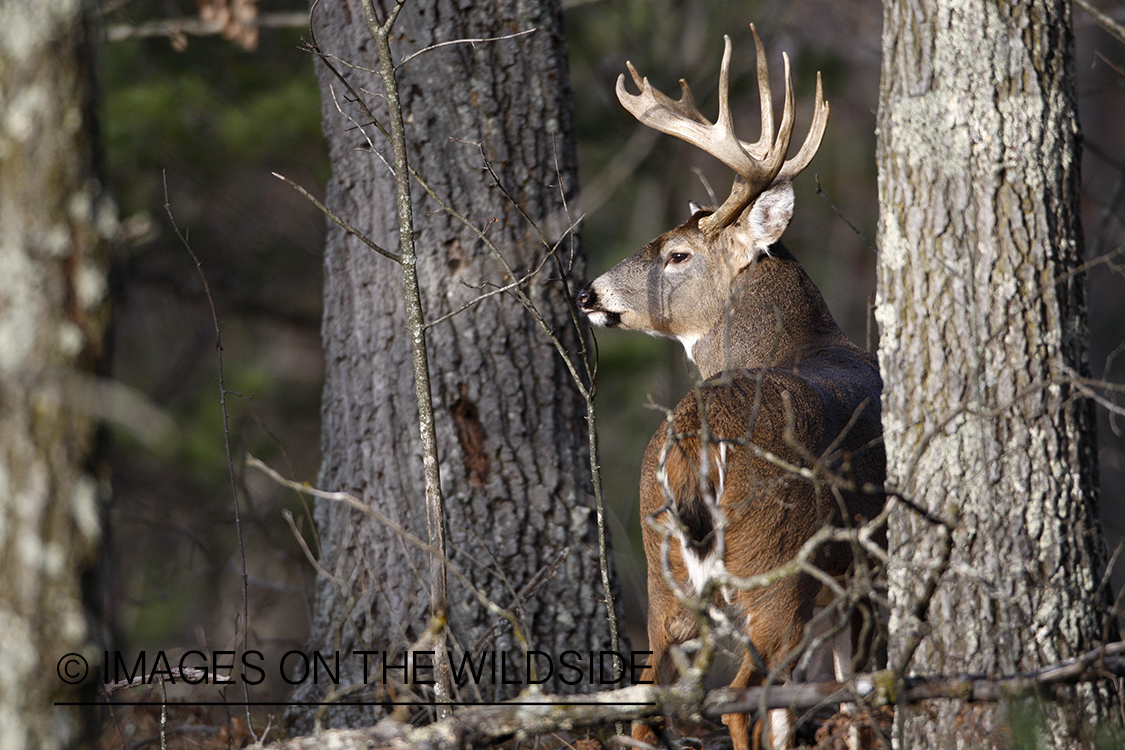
(725, 122)
(780, 147)
(685, 107)
(761, 147)
(683, 119)
(797, 164)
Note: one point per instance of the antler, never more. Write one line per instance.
(758, 165)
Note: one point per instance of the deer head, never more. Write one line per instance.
(698, 283)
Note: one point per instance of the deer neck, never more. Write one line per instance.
(775, 317)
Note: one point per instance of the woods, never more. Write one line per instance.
(996, 294)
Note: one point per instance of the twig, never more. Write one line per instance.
(403, 533)
(587, 390)
(339, 222)
(432, 47)
(226, 440)
(844, 218)
(1115, 29)
(288, 516)
(919, 613)
(544, 574)
(585, 387)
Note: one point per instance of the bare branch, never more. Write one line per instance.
(432, 47)
(1115, 29)
(416, 325)
(401, 531)
(226, 434)
(339, 222)
(172, 27)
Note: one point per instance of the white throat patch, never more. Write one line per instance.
(689, 343)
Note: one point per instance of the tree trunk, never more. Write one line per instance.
(510, 423)
(52, 316)
(982, 311)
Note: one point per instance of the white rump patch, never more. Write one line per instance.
(700, 570)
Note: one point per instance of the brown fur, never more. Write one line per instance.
(770, 510)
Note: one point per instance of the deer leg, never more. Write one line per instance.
(775, 625)
(646, 731)
(843, 649)
(846, 644)
(658, 645)
(777, 733)
(668, 625)
(738, 723)
(781, 729)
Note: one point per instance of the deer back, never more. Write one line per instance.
(781, 451)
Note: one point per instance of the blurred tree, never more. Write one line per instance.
(52, 317)
(510, 424)
(984, 338)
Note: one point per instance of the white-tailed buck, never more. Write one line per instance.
(783, 434)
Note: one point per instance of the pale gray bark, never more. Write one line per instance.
(510, 425)
(52, 315)
(982, 328)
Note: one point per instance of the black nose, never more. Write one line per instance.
(587, 298)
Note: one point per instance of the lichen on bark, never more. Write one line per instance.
(982, 315)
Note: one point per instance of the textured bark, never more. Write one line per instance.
(510, 425)
(983, 323)
(52, 315)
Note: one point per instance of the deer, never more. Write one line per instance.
(781, 437)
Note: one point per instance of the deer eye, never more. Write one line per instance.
(678, 258)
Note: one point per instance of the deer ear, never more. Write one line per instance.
(694, 208)
(769, 215)
(763, 223)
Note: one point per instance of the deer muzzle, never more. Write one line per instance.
(589, 303)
